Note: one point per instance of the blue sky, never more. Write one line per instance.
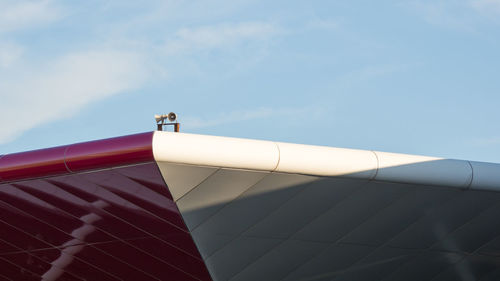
(419, 77)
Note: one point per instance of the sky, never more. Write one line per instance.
(409, 76)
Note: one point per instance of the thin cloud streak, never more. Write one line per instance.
(370, 72)
(9, 54)
(191, 122)
(488, 141)
(218, 36)
(64, 85)
(459, 15)
(59, 89)
(444, 13)
(324, 24)
(18, 14)
(487, 6)
(60, 86)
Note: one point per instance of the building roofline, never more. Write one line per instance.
(237, 153)
(73, 158)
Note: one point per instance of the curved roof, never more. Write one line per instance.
(250, 154)
(323, 161)
(162, 205)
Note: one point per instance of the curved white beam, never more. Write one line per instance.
(215, 151)
(225, 152)
(326, 161)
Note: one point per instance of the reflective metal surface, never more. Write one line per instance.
(91, 155)
(114, 224)
(302, 228)
(102, 211)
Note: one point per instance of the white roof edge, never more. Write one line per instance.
(314, 160)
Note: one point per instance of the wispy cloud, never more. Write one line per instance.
(225, 35)
(491, 7)
(18, 14)
(487, 141)
(9, 54)
(444, 13)
(463, 15)
(372, 72)
(57, 86)
(323, 24)
(192, 122)
(49, 87)
(60, 88)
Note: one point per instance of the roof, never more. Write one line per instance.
(252, 155)
(160, 205)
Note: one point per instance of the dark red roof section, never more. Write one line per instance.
(117, 221)
(111, 224)
(93, 155)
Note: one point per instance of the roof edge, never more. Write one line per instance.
(92, 155)
(237, 153)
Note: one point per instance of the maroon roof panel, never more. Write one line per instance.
(115, 221)
(78, 157)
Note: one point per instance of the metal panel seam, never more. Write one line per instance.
(196, 186)
(1, 181)
(336, 241)
(228, 203)
(64, 159)
(53, 246)
(279, 157)
(471, 176)
(180, 213)
(462, 226)
(378, 166)
(20, 267)
(153, 137)
(111, 214)
(99, 228)
(361, 185)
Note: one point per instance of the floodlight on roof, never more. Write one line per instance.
(161, 121)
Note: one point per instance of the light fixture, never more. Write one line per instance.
(172, 117)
